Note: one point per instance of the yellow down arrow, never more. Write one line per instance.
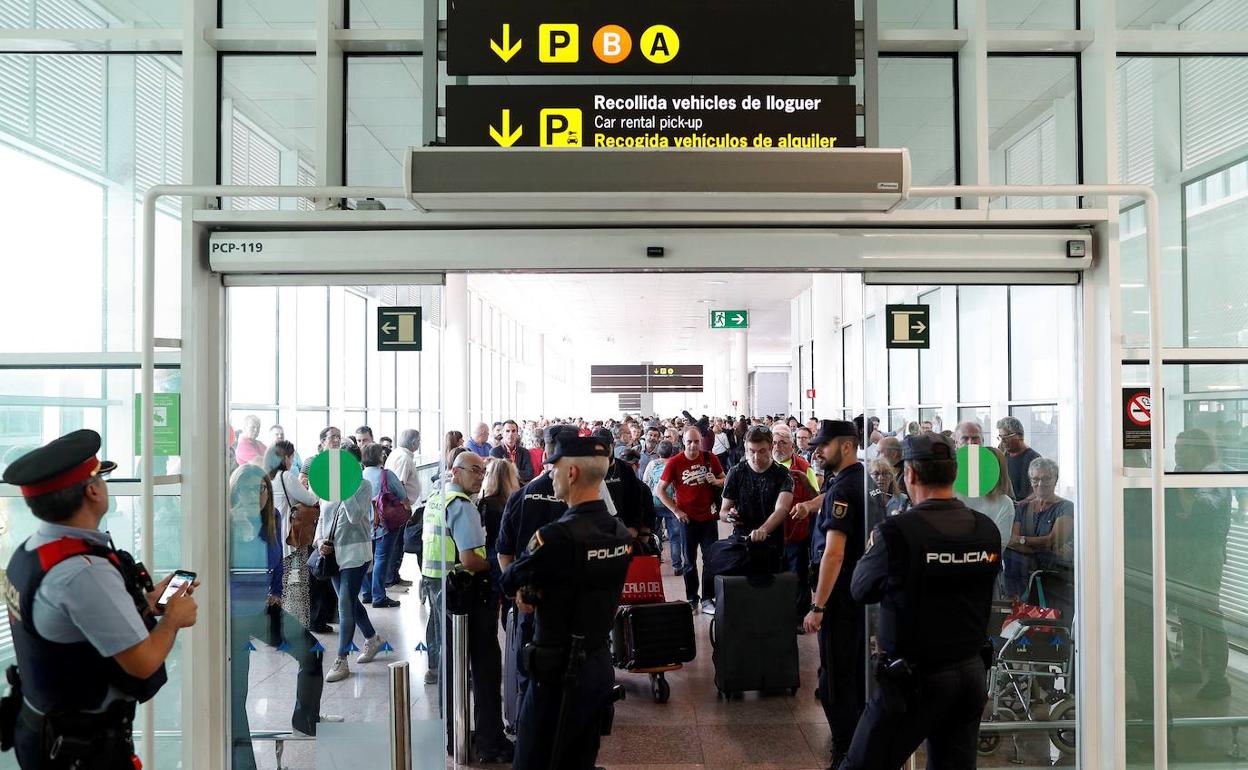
(506, 50)
(507, 137)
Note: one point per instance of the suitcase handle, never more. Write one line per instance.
(714, 639)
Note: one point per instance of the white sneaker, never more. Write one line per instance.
(339, 671)
(708, 607)
(371, 648)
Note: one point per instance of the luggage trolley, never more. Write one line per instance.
(651, 636)
(1033, 654)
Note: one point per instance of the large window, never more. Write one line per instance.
(1033, 124)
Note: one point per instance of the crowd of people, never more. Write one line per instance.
(676, 478)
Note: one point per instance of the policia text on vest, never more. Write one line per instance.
(80, 673)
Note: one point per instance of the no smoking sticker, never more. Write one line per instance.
(1137, 418)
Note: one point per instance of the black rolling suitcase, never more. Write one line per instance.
(653, 635)
(511, 674)
(754, 634)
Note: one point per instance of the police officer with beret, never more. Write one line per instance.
(838, 539)
(570, 577)
(89, 637)
(933, 569)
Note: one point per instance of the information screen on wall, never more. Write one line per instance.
(677, 116)
(650, 37)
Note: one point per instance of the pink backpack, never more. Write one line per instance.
(389, 510)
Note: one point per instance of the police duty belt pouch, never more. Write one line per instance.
(653, 636)
(414, 532)
(644, 582)
(754, 633)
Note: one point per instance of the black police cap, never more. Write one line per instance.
(554, 431)
(575, 446)
(60, 464)
(606, 435)
(831, 429)
(927, 446)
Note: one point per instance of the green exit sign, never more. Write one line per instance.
(730, 319)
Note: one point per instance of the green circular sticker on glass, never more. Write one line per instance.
(334, 475)
(978, 471)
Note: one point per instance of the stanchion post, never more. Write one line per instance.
(400, 717)
(459, 637)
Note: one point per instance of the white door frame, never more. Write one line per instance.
(1101, 684)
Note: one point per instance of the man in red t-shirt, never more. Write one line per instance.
(694, 475)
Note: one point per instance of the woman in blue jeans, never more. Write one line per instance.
(675, 528)
(345, 530)
(386, 544)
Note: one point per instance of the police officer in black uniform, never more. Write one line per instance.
(632, 505)
(83, 617)
(570, 577)
(838, 539)
(933, 570)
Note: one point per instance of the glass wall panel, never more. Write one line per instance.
(1037, 313)
(1033, 125)
(311, 333)
(388, 14)
(979, 414)
(125, 135)
(253, 329)
(912, 14)
(917, 111)
(384, 115)
(1040, 427)
(355, 363)
(903, 377)
(76, 14)
(1032, 14)
(932, 378)
(268, 126)
(975, 341)
(875, 363)
(1202, 15)
(271, 14)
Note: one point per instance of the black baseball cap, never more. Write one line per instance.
(831, 429)
(576, 446)
(604, 434)
(927, 446)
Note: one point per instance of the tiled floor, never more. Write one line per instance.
(692, 731)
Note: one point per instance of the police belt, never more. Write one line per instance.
(545, 662)
(81, 735)
(893, 668)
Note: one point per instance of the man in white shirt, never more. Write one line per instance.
(402, 462)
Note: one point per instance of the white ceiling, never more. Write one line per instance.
(631, 317)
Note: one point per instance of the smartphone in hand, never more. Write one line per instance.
(180, 578)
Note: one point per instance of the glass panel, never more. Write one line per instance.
(253, 354)
(38, 405)
(1033, 125)
(1032, 14)
(907, 14)
(311, 344)
(125, 136)
(384, 115)
(268, 126)
(1040, 427)
(270, 691)
(271, 14)
(387, 14)
(355, 348)
(1206, 405)
(917, 112)
(976, 353)
(979, 414)
(74, 14)
(1205, 15)
(852, 340)
(903, 377)
(932, 373)
(1217, 292)
(1039, 317)
(875, 361)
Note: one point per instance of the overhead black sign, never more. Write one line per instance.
(619, 116)
(908, 326)
(398, 328)
(650, 37)
(643, 378)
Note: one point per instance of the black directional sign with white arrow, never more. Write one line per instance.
(909, 326)
(398, 328)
